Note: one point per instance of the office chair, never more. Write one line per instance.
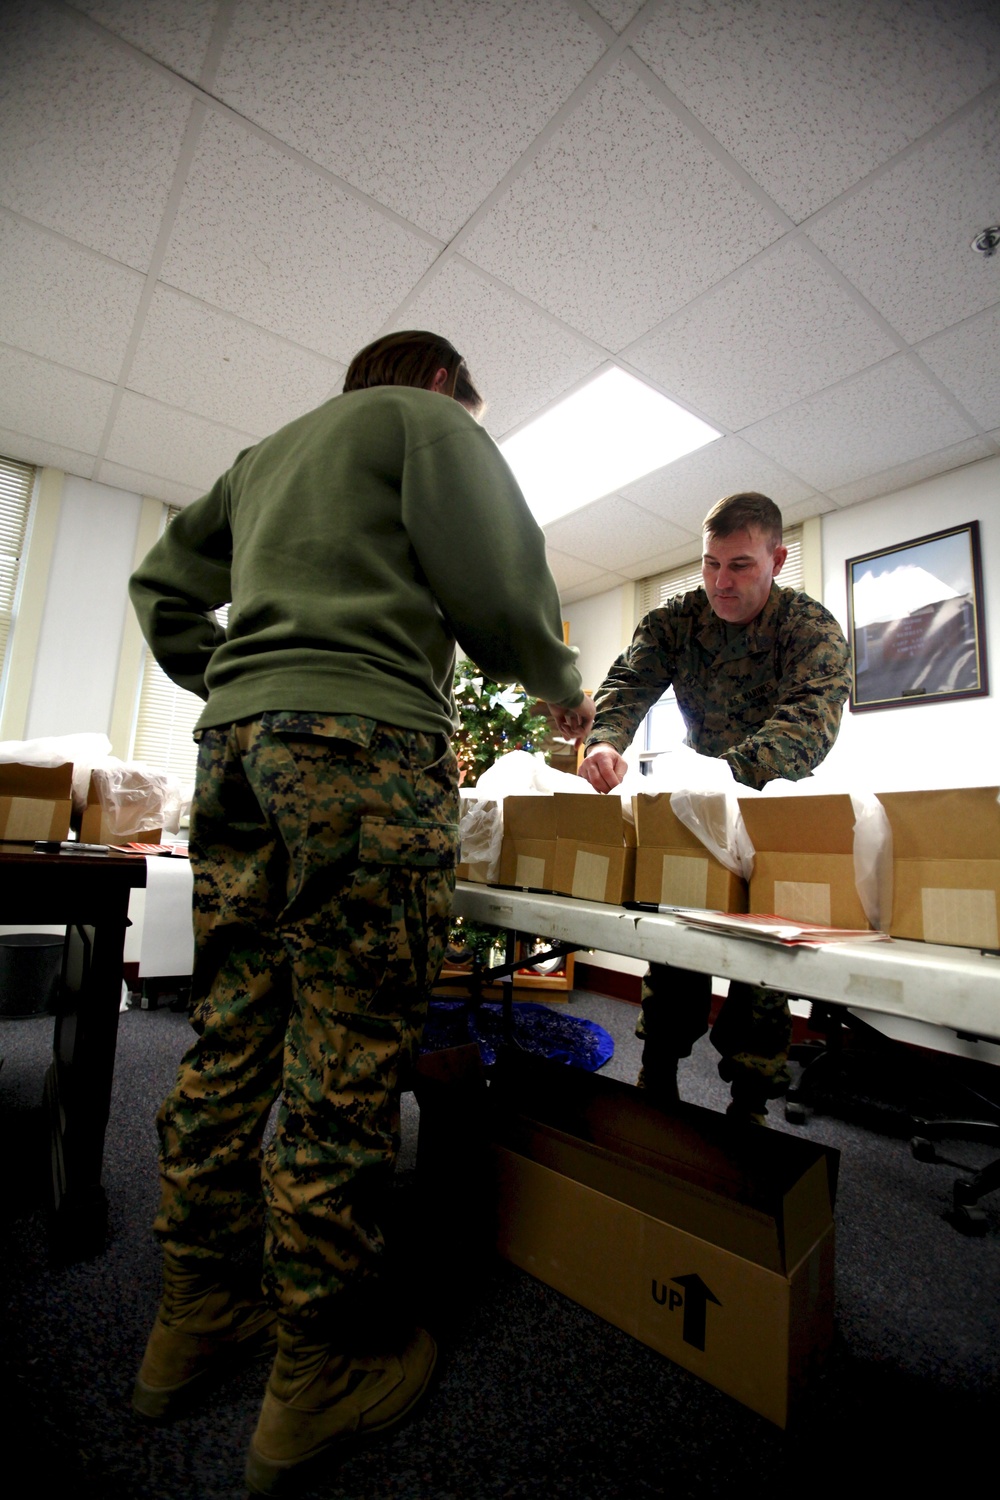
(967, 1190)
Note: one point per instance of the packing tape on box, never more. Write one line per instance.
(530, 872)
(968, 918)
(590, 876)
(684, 881)
(804, 900)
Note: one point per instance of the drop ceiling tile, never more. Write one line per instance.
(175, 32)
(811, 98)
(588, 590)
(965, 358)
(684, 492)
(617, 13)
(887, 416)
(611, 533)
(529, 365)
(780, 329)
(65, 303)
(33, 450)
(159, 440)
(150, 486)
(621, 218)
(570, 572)
(91, 134)
(209, 362)
(925, 467)
(662, 562)
(268, 239)
(904, 240)
(74, 407)
(424, 104)
(804, 510)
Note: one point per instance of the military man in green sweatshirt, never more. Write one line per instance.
(356, 546)
(760, 674)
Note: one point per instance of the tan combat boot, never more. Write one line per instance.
(200, 1328)
(317, 1399)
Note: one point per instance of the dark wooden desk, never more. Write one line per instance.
(90, 894)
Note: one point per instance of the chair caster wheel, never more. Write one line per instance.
(795, 1113)
(922, 1149)
(967, 1219)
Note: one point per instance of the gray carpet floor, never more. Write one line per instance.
(535, 1397)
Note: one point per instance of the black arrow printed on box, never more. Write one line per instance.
(696, 1298)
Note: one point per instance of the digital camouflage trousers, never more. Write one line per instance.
(324, 850)
(752, 1032)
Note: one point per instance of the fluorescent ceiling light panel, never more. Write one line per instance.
(609, 433)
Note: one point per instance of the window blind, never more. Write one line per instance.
(17, 481)
(167, 714)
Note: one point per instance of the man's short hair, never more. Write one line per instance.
(413, 357)
(742, 512)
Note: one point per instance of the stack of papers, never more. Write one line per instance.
(771, 929)
(180, 850)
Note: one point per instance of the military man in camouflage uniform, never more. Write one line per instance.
(357, 544)
(761, 675)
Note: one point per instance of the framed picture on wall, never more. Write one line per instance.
(916, 621)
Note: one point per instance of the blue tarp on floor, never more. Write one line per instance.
(538, 1028)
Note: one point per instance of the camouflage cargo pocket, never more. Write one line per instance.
(397, 910)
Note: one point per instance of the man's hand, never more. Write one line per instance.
(603, 767)
(573, 723)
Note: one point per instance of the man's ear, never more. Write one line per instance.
(440, 381)
(778, 560)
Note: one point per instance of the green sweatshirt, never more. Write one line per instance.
(356, 545)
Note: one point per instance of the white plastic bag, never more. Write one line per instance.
(135, 799)
(480, 830)
(873, 859)
(521, 774)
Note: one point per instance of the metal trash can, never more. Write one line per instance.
(30, 970)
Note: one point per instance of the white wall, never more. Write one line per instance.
(600, 627)
(80, 642)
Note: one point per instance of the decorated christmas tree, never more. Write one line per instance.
(494, 719)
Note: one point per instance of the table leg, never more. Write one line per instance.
(78, 1082)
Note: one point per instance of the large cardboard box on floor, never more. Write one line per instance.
(672, 865)
(711, 1244)
(36, 802)
(595, 848)
(528, 855)
(946, 865)
(804, 864)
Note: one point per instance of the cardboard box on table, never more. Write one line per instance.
(36, 802)
(97, 826)
(946, 865)
(804, 864)
(477, 870)
(595, 849)
(672, 865)
(528, 854)
(712, 1245)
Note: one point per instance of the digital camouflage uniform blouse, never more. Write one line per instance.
(767, 698)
